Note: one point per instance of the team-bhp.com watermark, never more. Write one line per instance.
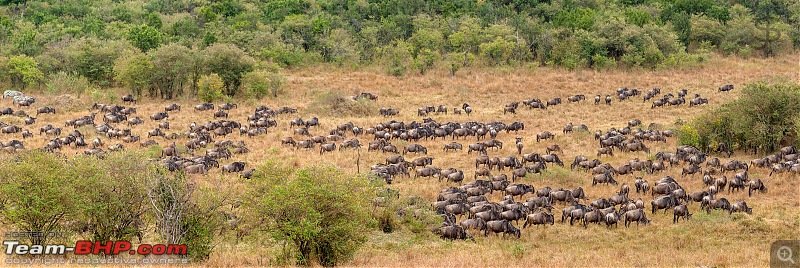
(89, 252)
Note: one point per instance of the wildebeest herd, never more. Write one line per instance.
(493, 201)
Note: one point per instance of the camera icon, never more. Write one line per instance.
(784, 253)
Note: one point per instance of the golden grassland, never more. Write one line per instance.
(715, 239)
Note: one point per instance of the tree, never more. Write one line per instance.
(318, 213)
(135, 72)
(172, 67)
(24, 71)
(144, 37)
(767, 14)
(230, 63)
(468, 37)
(94, 58)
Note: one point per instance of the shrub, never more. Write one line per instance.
(38, 194)
(764, 118)
(184, 214)
(209, 88)
(113, 214)
(261, 83)
(61, 82)
(319, 214)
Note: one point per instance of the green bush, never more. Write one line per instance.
(209, 88)
(184, 214)
(262, 83)
(111, 213)
(687, 135)
(38, 193)
(62, 82)
(319, 214)
(764, 118)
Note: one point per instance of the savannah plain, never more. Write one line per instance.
(715, 239)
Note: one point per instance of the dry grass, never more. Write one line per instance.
(708, 240)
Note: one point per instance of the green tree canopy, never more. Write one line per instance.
(144, 37)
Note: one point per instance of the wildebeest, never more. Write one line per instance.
(605, 150)
(552, 158)
(456, 177)
(544, 135)
(45, 110)
(740, 206)
(756, 185)
(691, 169)
(603, 178)
(664, 202)
(452, 146)
(234, 167)
(721, 203)
(426, 172)
(128, 98)
(519, 189)
(540, 217)
(484, 172)
(328, 147)
(637, 216)
(727, 87)
(479, 147)
(553, 148)
(415, 148)
(681, 211)
(501, 226)
(453, 232)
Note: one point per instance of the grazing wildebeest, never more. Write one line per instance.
(681, 211)
(664, 202)
(553, 148)
(328, 147)
(740, 206)
(637, 216)
(756, 185)
(452, 146)
(415, 148)
(603, 178)
(552, 158)
(501, 226)
(721, 203)
(605, 150)
(544, 136)
(727, 87)
(484, 172)
(479, 147)
(540, 217)
(453, 232)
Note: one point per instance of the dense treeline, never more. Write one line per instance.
(165, 48)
